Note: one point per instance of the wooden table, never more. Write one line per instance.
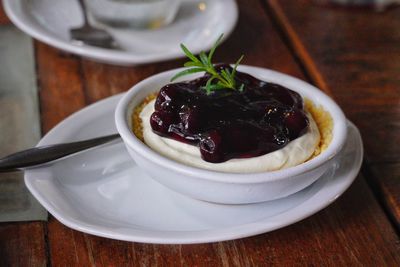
(352, 54)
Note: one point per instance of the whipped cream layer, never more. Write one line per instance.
(294, 153)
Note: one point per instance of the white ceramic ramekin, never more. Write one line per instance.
(229, 188)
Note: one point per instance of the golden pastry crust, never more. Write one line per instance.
(324, 122)
(136, 120)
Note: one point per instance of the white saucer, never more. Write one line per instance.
(103, 192)
(49, 21)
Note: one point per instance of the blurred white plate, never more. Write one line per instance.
(103, 192)
(50, 21)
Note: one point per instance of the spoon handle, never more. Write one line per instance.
(84, 12)
(39, 155)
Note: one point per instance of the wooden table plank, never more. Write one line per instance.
(23, 244)
(388, 175)
(61, 88)
(3, 17)
(354, 53)
(352, 231)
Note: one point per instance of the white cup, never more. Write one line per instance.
(140, 14)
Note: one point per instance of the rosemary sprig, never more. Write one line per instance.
(225, 79)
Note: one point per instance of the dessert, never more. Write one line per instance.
(229, 121)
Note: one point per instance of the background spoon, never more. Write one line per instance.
(87, 34)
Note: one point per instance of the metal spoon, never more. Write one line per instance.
(40, 155)
(87, 34)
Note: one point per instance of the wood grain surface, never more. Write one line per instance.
(355, 54)
(353, 231)
(3, 17)
(385, 180)
(23, 244)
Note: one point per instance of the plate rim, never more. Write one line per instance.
(186, 237)
(100, 54)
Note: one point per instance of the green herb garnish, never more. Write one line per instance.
(223, 80)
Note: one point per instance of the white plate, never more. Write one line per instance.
(103, 192)
(49, 21)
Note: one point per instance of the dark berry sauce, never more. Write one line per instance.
(227, 124)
